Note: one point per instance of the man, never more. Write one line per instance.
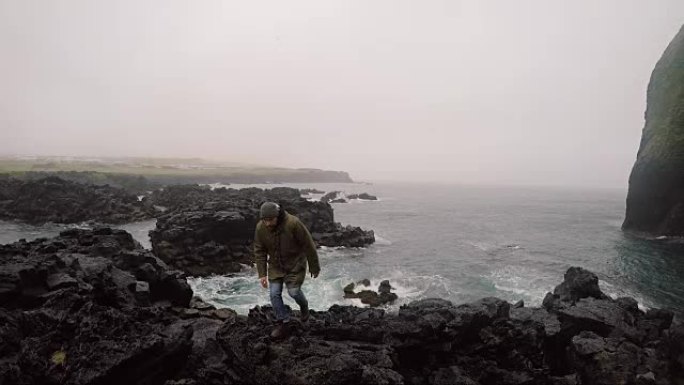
(289, 246)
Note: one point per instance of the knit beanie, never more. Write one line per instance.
(269, 210)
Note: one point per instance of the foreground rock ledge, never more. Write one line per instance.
(93, 307)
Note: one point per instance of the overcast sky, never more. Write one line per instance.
(522, 92)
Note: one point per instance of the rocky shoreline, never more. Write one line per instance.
(199, 230)
(93, 307)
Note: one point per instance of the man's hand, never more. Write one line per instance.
(314, 274)
(264, 282)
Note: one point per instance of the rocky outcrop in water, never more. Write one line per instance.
(363, 197)
(655, 202)
(369, 297)
(331, 196)
(56, 200)
(210, 231)
(93, 307)
(340, 197)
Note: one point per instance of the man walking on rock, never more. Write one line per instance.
(283, 244)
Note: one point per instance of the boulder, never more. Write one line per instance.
(578, 283)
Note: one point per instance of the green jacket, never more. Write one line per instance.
(288, 247)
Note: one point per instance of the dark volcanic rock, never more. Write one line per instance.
(347, 236)
(76, 309)
(56, 200)
(98, 332)
(105, 263)
(585, 339)
(655, 201)
(578, 283)
(209, 231)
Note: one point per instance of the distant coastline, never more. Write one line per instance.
(160, 171)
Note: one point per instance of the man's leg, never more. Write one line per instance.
(298, 295)
(276, 293)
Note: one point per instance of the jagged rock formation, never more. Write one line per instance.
(90, 307)
(655, 202)
(209, 231)
(93, 307)
(56, 200)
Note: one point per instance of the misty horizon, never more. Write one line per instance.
(531, 93)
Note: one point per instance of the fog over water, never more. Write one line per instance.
(524, 92)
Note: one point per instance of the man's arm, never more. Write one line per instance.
(260, 254)
(307, 242)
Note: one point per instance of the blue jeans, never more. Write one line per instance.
(275, 289)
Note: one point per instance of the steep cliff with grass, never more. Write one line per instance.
(655, 202)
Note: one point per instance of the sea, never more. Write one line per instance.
(460, 243)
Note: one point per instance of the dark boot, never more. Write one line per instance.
(305, 314)
(280, 331)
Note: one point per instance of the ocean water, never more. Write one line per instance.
(463, 243)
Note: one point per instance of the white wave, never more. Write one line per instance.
(615, 292)
(214, 186)
(486, 247)
(362, 201)
(241, 292)
(514, 283)
(380, 241)
(492, 248)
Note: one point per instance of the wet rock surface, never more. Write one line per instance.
(92, 307)
(209, 231)
(53, 199)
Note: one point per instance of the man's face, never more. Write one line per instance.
(270, 222)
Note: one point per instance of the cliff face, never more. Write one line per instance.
(655, 202)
